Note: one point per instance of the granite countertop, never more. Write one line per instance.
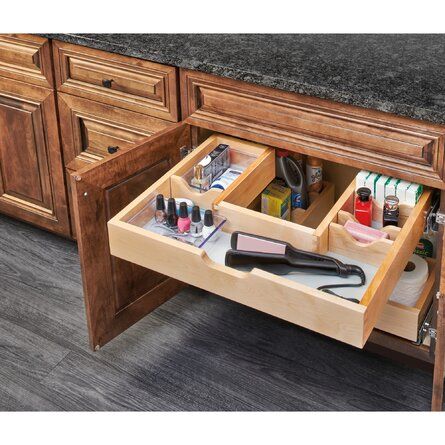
(402, 74)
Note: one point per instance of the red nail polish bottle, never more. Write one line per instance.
(363, 206)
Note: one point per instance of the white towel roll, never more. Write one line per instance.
(412, 282)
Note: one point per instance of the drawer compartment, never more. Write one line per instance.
(405, 321)
(294, 298)
(125, 82)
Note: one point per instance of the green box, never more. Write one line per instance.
(275, 201)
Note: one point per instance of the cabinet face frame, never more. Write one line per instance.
(35, 106)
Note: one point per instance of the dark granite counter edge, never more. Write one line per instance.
(257, 78)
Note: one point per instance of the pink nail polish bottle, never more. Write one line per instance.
(183, 220)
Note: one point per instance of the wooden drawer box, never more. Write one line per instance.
(125, 82)
(292, 300)
(26, 58)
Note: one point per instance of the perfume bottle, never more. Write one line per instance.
(363, 206)
(172, 217)
(160, 215)
(196, 223)
(391, 211)
(183, 220)
(199, 180)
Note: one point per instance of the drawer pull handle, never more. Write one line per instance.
(107, 83)
(112, 149)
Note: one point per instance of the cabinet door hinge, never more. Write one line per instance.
(183, 152)
(432, 333)
(440, 218)
(425, 327)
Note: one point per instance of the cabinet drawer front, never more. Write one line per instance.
(91, 130)
(290, 300)
(377, 141)
(26, 58)
(125, 82)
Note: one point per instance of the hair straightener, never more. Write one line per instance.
(249, 251)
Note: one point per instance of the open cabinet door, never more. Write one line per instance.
(118, 293)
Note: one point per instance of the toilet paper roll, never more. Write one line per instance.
(412, 282)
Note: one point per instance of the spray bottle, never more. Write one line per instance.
(292, 173)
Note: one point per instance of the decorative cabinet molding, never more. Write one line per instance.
(364, 138)
(31, 171)
(26, 58)
(125, 82)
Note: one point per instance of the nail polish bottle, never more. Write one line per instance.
(183, 220)
(160, 215)
(196, 224)
(172, 217)
(363, 206)
(209, 227)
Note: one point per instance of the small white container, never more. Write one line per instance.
(380, 189)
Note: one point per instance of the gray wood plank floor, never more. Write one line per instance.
(196, 352)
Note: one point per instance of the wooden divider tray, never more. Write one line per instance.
(292, 298)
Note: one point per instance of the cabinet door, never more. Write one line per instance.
(32, 186)
(118, 293)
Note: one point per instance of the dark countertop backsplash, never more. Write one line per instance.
(401, 74)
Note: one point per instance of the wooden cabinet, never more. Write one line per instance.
(32, 185)
(98, 196)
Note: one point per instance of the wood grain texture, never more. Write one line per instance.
(32, 185)
(117, 293)
(439, 323)
(26, 58)
(376, 141)
(88, 128)
(137, 85)
(386, 277)
(320, 205)
(405, 321)
(195, 352)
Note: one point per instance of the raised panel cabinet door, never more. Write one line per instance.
(32, 186)
(118, 293)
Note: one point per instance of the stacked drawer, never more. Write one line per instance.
(108, 102)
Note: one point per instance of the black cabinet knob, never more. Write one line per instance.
(112, 149)
(107, 83)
